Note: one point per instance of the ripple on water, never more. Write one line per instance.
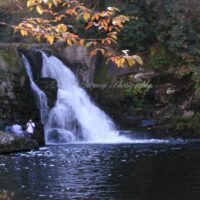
(118, 171)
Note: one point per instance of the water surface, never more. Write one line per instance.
(159, 170)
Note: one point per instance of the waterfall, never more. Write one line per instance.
(39, 94)
(75, 117)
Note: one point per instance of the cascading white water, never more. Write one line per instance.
(39, 94)
(75, 117)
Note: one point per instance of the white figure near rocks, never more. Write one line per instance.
(30, 127)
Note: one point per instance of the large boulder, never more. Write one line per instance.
(91, 69)
(10, 143)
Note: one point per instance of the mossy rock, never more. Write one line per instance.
(10, 143)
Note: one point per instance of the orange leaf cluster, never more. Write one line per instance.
(52, 27)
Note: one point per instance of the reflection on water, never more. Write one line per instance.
(161, 171)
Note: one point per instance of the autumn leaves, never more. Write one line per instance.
(52, 26)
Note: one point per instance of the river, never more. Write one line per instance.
(141, 171)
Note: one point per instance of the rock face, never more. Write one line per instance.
(17, 101)
(10, 143)
(78, 59)
(90, 69)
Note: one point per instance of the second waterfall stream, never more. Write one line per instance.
(75, 118)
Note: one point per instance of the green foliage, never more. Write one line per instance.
(141, 89)
(174, 25)
(175, 28)
(135, 96)
(138, 33)
(157, 58)
(197, 87)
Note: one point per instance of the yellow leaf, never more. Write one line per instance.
(40, 9)
(29, 3)
(86, 16)
(131, 61)
(82, 42)
(61, 28)
(108, 40)
(114, 41)
(94, 43)
(109, 53)
(50, 39)
(122, 61)
(103, 41)
(71, 12)
(69, 41)
(90, 24)
(113, 9)
(15, 30)
(55, 2)
(113, 36)
(50, 5)
(74, 40)
(29, 25)
(38, 37)
(93, 53)
(95, 16)
(102, 51)
(89, 44)
(138, 59)
(24, 32)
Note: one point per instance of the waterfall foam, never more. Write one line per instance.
(75, 117)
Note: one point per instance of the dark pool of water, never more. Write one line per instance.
(149, 171)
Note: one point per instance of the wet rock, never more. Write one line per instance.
(3, 125)
(78, 59)
(6, 138)
(185, 105)
(148, 122)
(10, 143)
(16, 97)
(170, 91)
(49, 86)
(188, 114)
(91, 69)
(144, 76)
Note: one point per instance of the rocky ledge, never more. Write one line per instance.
(10, 143)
